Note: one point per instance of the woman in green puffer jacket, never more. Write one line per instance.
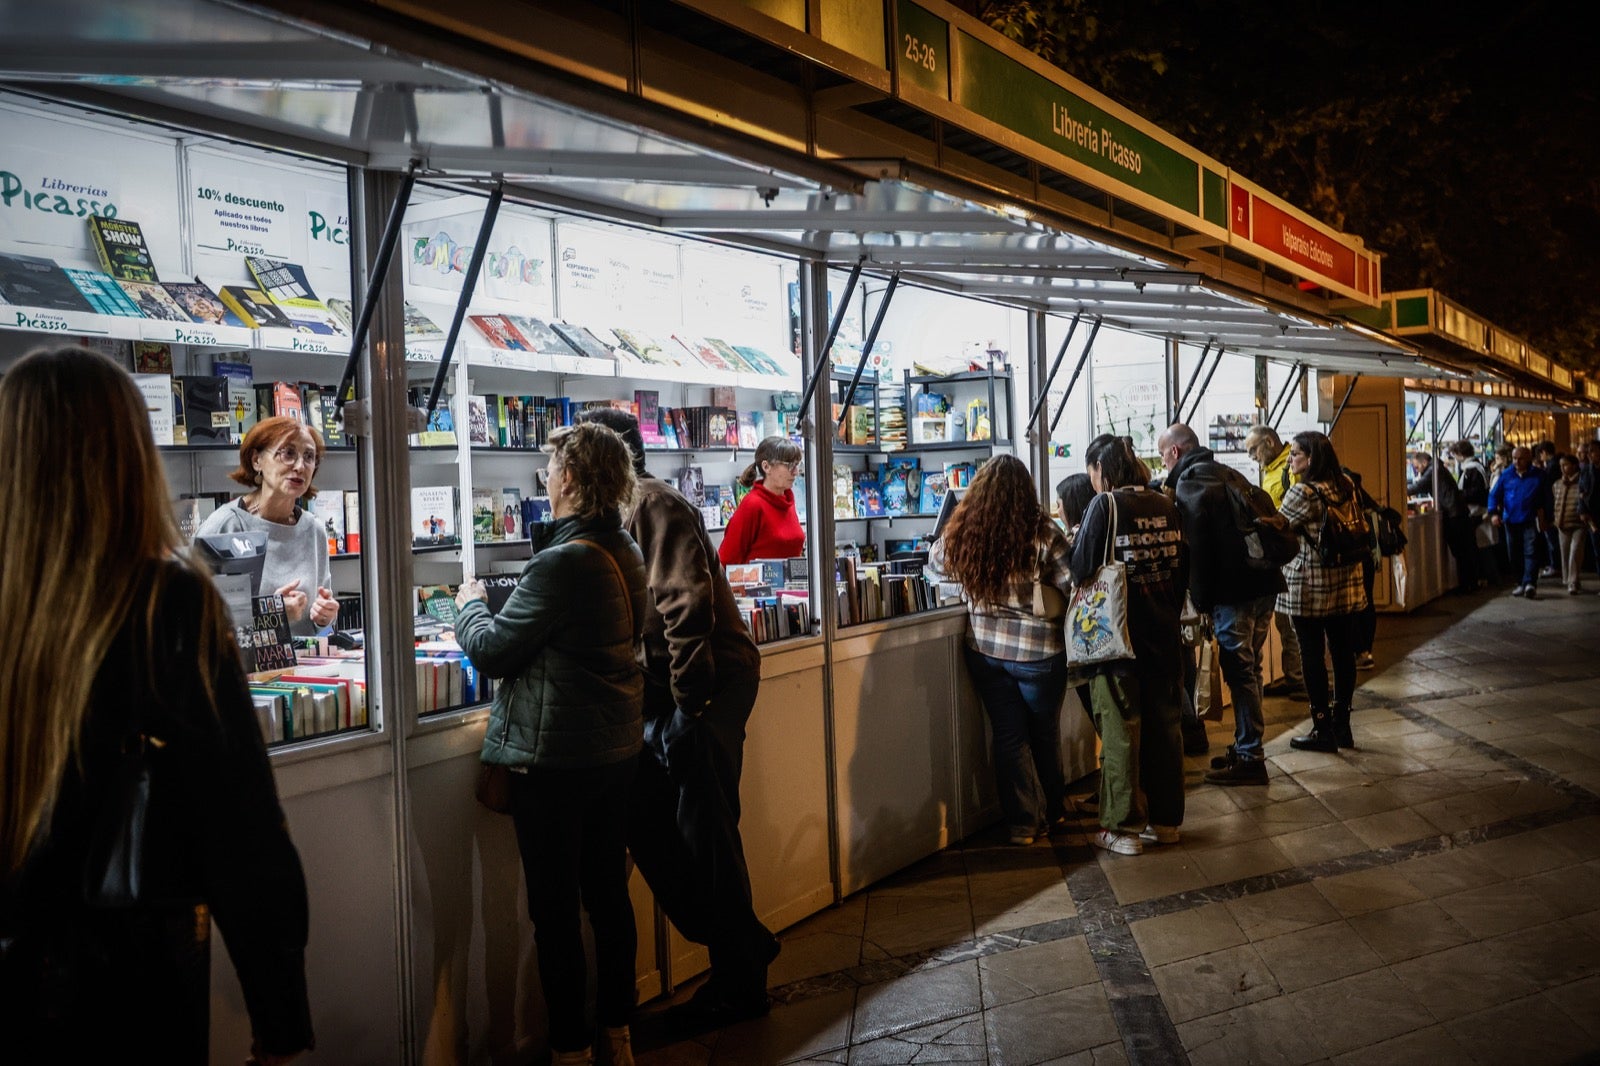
(567, 722)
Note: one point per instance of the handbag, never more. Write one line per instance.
(493, 788)
(1097, 628)
(1049, 602)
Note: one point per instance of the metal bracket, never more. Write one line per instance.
(469, 285)
(380, 272)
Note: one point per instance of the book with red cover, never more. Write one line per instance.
(500, 333)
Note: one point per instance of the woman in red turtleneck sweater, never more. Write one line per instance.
(765, 525)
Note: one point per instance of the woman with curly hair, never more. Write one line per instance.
(1136, 702)
(999, 544)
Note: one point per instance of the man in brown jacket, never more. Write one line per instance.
(702, 672)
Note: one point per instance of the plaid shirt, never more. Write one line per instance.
(1314, 590)
(1009, 630)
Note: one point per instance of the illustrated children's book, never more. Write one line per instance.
(120, 245)
(844, 505)
(868, 495)
(901, 481)
(932, 495)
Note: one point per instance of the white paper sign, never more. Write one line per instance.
(327, 219)
(240, 209)
(45, 197)
(438, 240)
(612, 278)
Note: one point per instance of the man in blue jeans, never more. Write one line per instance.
(1519, 502)
(1238, 592)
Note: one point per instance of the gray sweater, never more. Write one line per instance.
(297, 551)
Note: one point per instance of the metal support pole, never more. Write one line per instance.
(469, 284)
(1422, 409)
(1184, 398)
(1280, 406)
(866, 348)
(1221, 350)
(1050, 378)
(1348, 390)
(1455, 409)
(380, 270)
(1088, 346)
(1477, 420)
(819, 372)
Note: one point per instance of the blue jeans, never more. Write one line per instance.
(1241, 630)
(1522, 542)
(1023, 700)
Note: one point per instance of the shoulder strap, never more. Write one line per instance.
(627, 598)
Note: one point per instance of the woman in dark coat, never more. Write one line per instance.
(568, 724)
(107, 634)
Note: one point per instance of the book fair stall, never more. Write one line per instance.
(439, 237)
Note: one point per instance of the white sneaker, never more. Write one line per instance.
(1120, 843)
(1159, 834)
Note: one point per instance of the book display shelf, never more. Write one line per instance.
(903, 445)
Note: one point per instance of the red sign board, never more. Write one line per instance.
(1316, 252)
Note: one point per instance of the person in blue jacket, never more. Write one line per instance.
(1520, 503)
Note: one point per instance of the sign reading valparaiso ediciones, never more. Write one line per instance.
(998, 88)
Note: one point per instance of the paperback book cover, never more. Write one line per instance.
(268, 645)
(702, 353)
(692, 483)
(103, 293)
(901, 481)
(201, 304)
(418, 325)
(437, 601)
(152, 357)
(758, 359)
(584, 342)
(433, 515)
(352, 522)
(644, 348)
(540, 510)
(932, 495)
(157, 392)
(154, 301)
(328, 506)
(120, 245)
(511, 515)
(868, 495)
(844, 500)
(441, 429)
(207, 418)
(499, 332)
(731, 356)
(648, 402)
(750, 429)
(539, 336)
(485, 515)
(32, 281)
(478, 423)
(287, 287)
(253, 307)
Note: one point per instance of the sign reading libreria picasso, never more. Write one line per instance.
(1025, 102)
(45, 197)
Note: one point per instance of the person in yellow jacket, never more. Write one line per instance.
(1269, 451)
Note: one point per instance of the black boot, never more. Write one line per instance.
(1320, 738)
(1341, 728)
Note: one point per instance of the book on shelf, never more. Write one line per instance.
(207, 416)
(191, 510)
(441, 426)
(119, 244)
(537, 509)
(201, 304)
(287, 286)
(328, 422)
(583, 341)
(352, 522)
(418, 326)
(478, 423)
(844, 502)
(276, 399)
(238, 380)
(437, 601)
(253, 307)
(105, 296)
(868, 495)
(328, 506)
(33, 281)
(648, 402)
(860, 425)
(979, 426)
(511, 514)
(157, 392)
(152, 357)
(691, 481)
(729, 355)
(758, 359)
(700, 353)
(154, 301)
(180, 428)
(433, 516)
(539, 337)
(727, 503)
(343, 311)
(959, 475)
(645, 348)
(485, 515)
(931, 497)
(901, 484)
(270, 646)
(499, 332)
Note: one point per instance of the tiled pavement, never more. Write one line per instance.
(1432, 896)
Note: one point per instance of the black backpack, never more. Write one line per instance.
(1388, 525)
(1269, 541)
(1341, 541)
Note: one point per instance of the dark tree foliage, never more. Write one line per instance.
(1461, 142)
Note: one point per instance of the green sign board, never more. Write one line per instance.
(922, 53)
(1027, 103)
(1411, 312)
(1371, 317)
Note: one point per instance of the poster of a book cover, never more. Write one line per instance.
(120, 245)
